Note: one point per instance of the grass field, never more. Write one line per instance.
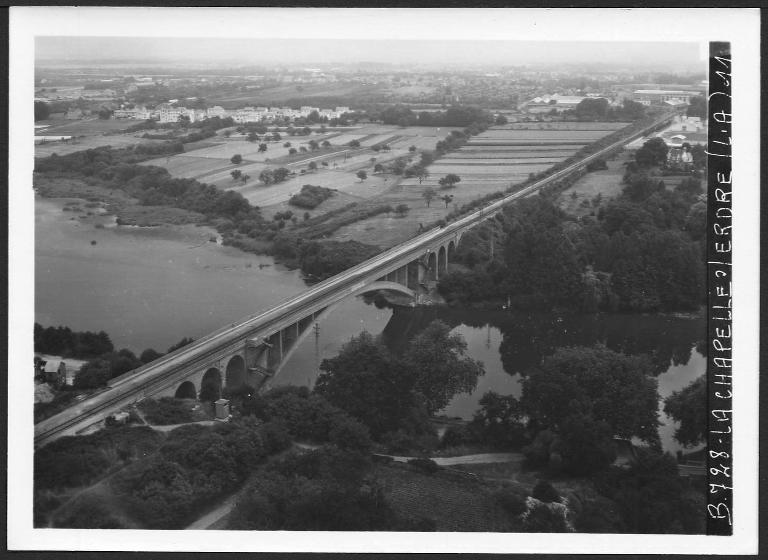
(453, 502)
(606, 183)
(87, 127)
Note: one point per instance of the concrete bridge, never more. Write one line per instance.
(254, 349)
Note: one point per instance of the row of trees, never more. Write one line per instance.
(598, 109)
(456, 115)
(63, 341)
(98, 371)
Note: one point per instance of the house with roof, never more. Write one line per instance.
(55, 373)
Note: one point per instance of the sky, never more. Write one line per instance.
(480, 37)
(287, 51)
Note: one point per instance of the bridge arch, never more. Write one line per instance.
(235, 372)
(186, 390)
(432, 266)
(442, 259)
(210, 386)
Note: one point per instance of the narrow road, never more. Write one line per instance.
(215, 515)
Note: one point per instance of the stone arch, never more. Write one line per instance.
(186, 391)
(432, 265)
(235, 372)
(210, 386)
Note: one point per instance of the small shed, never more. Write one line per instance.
(222, 409)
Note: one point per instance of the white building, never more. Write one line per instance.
(168, 114)
(216, 111)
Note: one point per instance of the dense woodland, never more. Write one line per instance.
(639, 252)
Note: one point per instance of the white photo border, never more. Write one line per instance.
(739, 26)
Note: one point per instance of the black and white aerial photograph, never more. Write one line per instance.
(404, 271)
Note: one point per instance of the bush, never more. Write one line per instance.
(425, 465)
(166, 411)
(79, 460)
(311, 196)
(545, 492)
(511, 500)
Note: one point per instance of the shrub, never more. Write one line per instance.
(511, 500)
(166, 410)
(311, 196)
(425, 465)
(545, 492)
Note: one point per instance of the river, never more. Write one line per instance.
(149, 287)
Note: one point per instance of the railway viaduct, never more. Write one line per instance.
(254, 349)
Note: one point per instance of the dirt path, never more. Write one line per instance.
(212, 518)
(467, 459)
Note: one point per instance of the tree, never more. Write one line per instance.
(653, 152)
(449, 181)
(689, 407)
(362, 175)
(354, 144)
(262, 147)
(422, 174)
(596, 382)
(437, 361)
(378, 168)
(245, 178)
(313, 145)
(412, 149)
(276, 136)
(501, 120)
(281, 174)
(149, 355)
(105, 113)
(267, 176)
(252, 137)
(428, 194)
(447, 199)
(326, 144)
(365, 381)
(236, 174)
(42, 110)
(401, 209)
(92, 374)
(303, 149)
(697, 107)
(237, 159)
(181, 344)
(499, 420)
(292, 151)
(287, 145)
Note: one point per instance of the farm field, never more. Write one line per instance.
(211, 162)
(87, 134)
(89, 142)
(577, 199)
(85, 127)
(512, 154)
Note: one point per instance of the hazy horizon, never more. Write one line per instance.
(667, 56)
